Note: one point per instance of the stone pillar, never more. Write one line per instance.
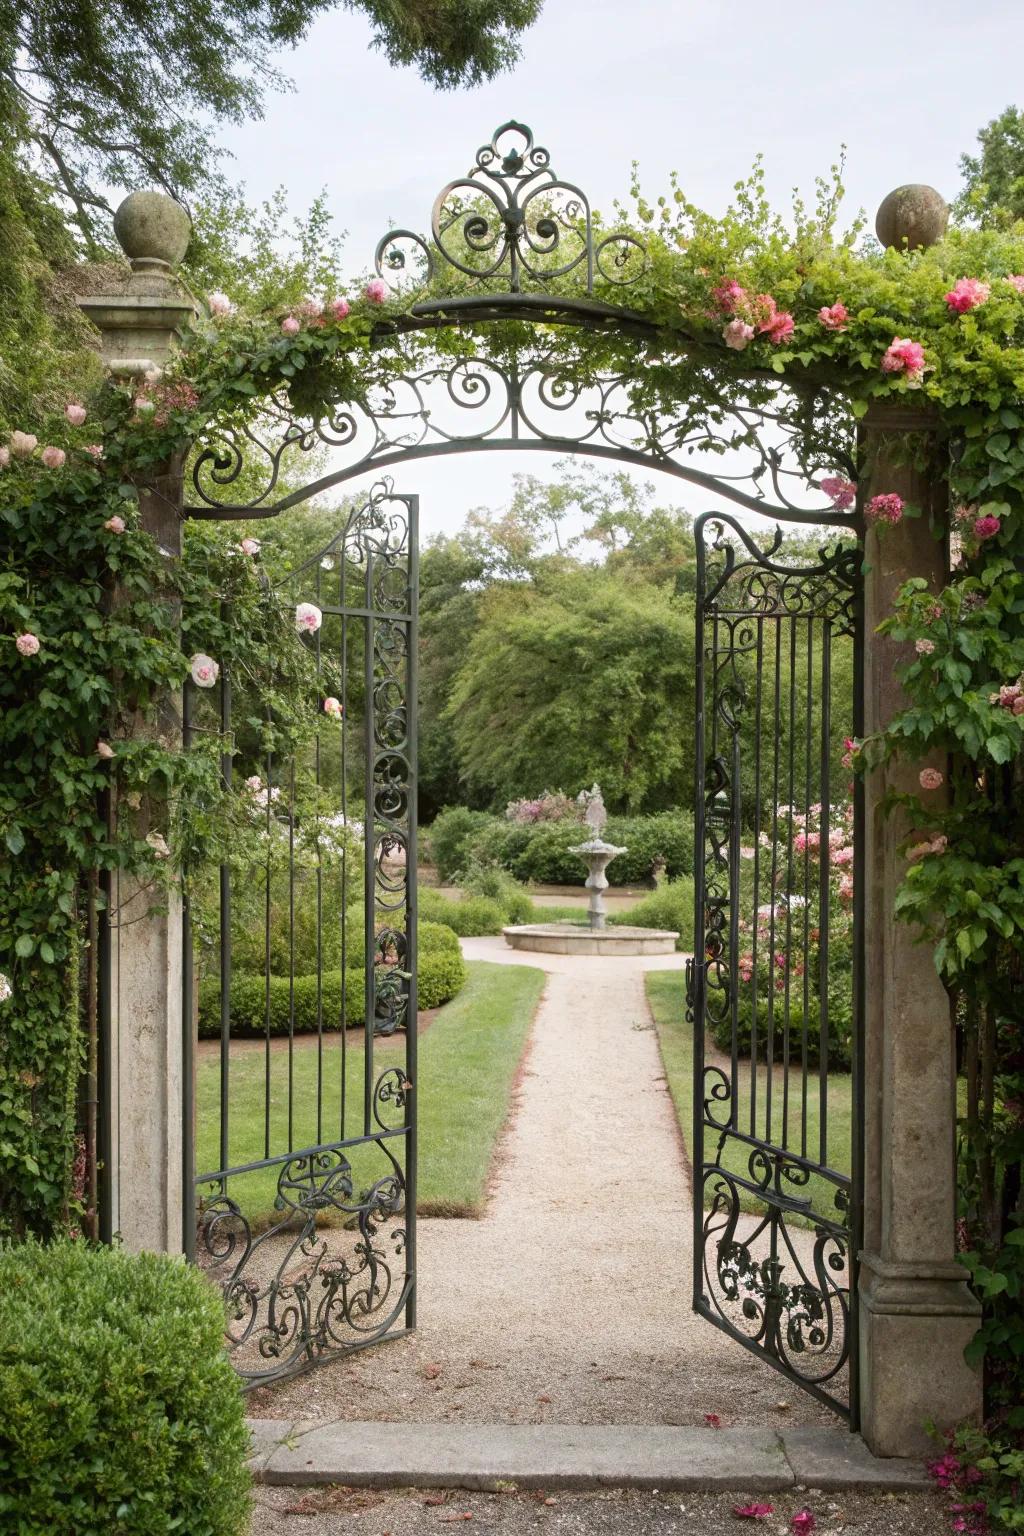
(916, 1311)
(144, 1054)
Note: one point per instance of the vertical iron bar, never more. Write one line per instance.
(291, 955)
(319, 895)
(225, 923)
(267, 931)
(824, 891)
(188, 1060)
(773, 885)
(344, 847)
(698, 971)
(758, 725)
(411, 910)
(369, 845)
(105, 1130)
(857, 1051)
(806, 886)
(787, 1012)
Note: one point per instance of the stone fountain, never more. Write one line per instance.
(597, 938)
(597, 855)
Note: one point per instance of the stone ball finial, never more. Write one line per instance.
(912, 217)
(152, 229)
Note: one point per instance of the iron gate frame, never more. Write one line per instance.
(840, 566)
(317, 1178)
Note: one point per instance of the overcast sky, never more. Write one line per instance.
(673, 84)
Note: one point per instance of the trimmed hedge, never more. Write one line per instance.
(440, 975)
(470, 918)
(119, 1410)
(839, 1037)
(539, 853)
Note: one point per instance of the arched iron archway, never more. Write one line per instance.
(507, 234)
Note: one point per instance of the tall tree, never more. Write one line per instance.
(581, 676)
(993, 191)
(117, 93)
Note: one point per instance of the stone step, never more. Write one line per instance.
(571, 1456)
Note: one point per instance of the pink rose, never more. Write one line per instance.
(308, 618)
(728, 296)
(250, 546)
(986, 527)
(376, 290)
(333, 708)
(846, 888)
(158, 843)
(924, 647)
(930, 778)
(841, 492)
(833, 317)
(5, 457)
(311, 309)
(290, 325)
(803, 1523)
(114, 524)
(94, 450)
(205, 670)
(967, 293)
(737, 334)
(888, 509)
(1017, 281)
(753, 1511)
(23, 444)
(904, 356)
(27, 644)
(75, 413)
(253, 783)
(339, 309)
(219, 304)
(104, 750)
(779, 329)
(52, 457)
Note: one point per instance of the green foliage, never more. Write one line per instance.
(669, 908)
(451, 834)
(540, 853)
(95, 97)
(471, 918)
(582, 678)
(311, 1003)
(993, 190)
(495, 884)
(118, 1407)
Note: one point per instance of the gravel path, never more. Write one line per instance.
(570, 1300)
(409, 1512)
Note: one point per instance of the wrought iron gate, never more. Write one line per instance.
(303, 1101)
(774, 985)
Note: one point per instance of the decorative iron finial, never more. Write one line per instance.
(512, 218)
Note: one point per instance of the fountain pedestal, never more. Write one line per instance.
(597, 854)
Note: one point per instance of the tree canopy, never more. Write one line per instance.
(993, 191)
(112, 93)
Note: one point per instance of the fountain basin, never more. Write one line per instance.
(570, 939)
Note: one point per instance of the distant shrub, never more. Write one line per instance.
(449, 838)
(471, 918)
(669, 908)
(498, 885)
(119, 1410)
(324, 1002)
(540, 852)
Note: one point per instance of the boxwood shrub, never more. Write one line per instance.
(449, 836)
(441, 974)
(839, 1030)
(119, 1410)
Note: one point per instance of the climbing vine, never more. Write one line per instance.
(742, 304)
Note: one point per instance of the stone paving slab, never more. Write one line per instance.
(438, 1455)
(829, 1459)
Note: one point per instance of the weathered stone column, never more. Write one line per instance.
(916, 1311)
(142, 1181)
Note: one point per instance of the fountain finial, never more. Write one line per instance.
(595, 815)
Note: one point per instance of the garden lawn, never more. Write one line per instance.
(468, 1059)
(666, 993)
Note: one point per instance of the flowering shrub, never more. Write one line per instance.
(550, 806)
(780, 959)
